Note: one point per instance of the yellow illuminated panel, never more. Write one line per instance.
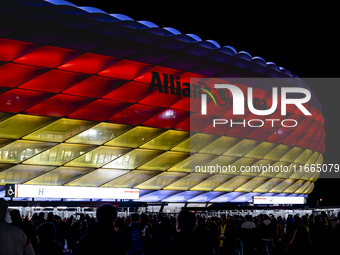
(252, 184)
(135, 137)
(314, 177)
(218, 165)
(166, 140)
(267, 186)
(100, 133)
(303, 157)
(97, 177)
(262, 150)
(291, 155)
(99, 156)
(19, 125)
(294, 187)
(220, 146)
(309, 189)
(256, 168)
(22, 173)
(277, 170)
(21, 150)
(282, 186)
(313, 159)
(233, 184)
(240, 165)
(59, 154)
(195, 143)
(303, 188)
(277, 153)
(242, 148)
(164, 161)
(133, 159)
(131, 179)
(299, 172)
(213, 182)
(289, 169)
(308, 175)
(160, 181)
(188, 182)
(192, 163)
(60, 130)
(319, 160)
(59, 176)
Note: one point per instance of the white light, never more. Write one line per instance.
(278, 200)
(37, 191)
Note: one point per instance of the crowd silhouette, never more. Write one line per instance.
(186, 233)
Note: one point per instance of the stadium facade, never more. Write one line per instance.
(77, 109)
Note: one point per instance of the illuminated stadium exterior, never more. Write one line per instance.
(79, 107)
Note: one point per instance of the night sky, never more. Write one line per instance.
(302, 40)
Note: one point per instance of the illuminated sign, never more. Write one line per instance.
(38, 191)
(278, 200)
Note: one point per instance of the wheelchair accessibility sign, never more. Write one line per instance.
(10, 190)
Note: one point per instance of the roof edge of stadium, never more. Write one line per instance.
(149, 24)
(211, 44)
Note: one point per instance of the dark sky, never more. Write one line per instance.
(302, 40)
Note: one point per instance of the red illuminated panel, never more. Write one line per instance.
(186, 77)
(319, 117)
(47, 56)
(187, 104)
(199, 121)
(58, 106)
(262, 133)
(135, 114)
(305, 141)
(299, 112)
(239, 130)
(321, 131)
(167, 119)
(276, 118)
(146, 77)
(279, 135)
(313, 111)
(304, 125)
(270, 103)
(184, 125)
(293, 138)
(322, 121)
(261, 94)
(102, 87)
(130, 92)
(313, 130)
(315, 144)
(219, 129)
(219, 109)
(17, 100)
(99, 110)
(230, 113)
(89, 63)
(12, 75)
(203, 123)
(321, 147)
(125, 69)
(54, 81)
(160, 99)
(10, 49)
